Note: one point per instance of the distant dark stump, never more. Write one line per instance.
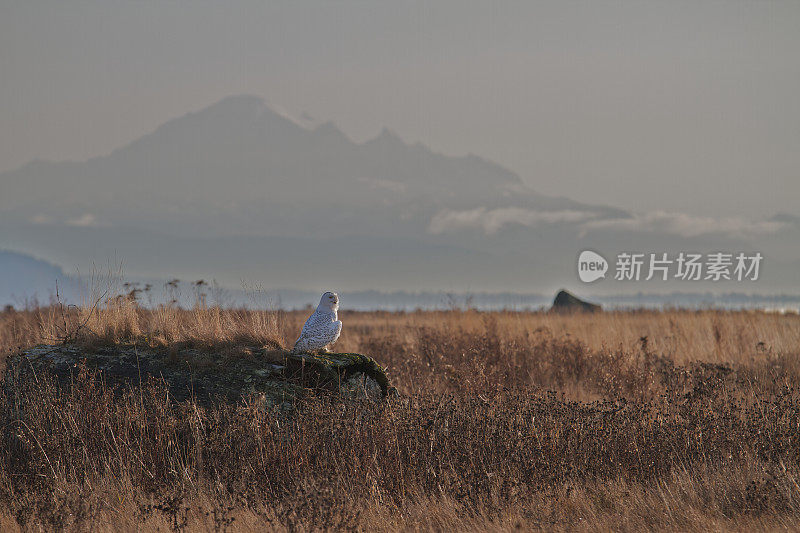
(566, 302)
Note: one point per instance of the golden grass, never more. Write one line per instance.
(675, 420)
(683, 336)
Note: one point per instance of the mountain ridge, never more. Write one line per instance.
(238, 169)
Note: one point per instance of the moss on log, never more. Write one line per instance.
(280, 378)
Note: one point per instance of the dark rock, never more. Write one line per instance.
(566, 302)
(279, 378)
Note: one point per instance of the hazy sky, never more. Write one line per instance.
(674, 105)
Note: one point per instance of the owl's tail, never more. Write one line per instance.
(300, 345)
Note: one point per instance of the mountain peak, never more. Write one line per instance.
(328, 128)
(386, 138)
(241, 109)
(387, 135)
(239, 106)
(329, 134)
(240, 99)
(239, 117)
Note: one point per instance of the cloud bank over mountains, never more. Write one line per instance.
(238, 191)
(682, 224)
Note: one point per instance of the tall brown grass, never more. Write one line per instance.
(614, 421)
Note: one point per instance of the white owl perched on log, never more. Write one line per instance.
(322, 328)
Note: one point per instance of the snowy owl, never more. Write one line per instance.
(322, 327)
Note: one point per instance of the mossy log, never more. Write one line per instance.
(280, 378)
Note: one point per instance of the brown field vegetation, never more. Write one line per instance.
(675, 420)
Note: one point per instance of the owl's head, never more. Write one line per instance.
(329, 300)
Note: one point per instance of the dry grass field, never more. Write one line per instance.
(671, 420)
